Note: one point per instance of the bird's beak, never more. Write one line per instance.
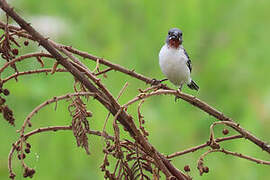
(172, 37)
(175, 37)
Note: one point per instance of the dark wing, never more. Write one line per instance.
(188, 62)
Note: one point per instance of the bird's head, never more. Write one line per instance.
(174, 38)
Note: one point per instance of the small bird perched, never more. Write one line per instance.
(174, 61)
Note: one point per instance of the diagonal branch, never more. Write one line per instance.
(188, 98)
(31, 72)
(105, 97)
(112, 106)
(63, 61)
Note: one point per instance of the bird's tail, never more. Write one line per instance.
(193, 85)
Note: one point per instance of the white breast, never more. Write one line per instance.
(173, 65)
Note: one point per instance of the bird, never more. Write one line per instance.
(175, 62)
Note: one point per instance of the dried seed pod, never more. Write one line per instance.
(225, 131)
(2, 101)
(102, 167)
(18, 148)
(8, 114)
(12, 176)
(28, 172)
(26, 43)
(6, 92)
(186, 168)
(15, 52)
(21, 156)
(205, 169)
(27, 150)
(28, 145)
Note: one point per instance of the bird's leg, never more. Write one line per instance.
(180, 87)
(156, 82)
(179, 90)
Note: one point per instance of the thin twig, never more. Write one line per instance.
(193, 149)
(31, 72)
(140, 117)
(54, 99)
(97, 66)
(104, 71)
(27, 56)
(200, 164)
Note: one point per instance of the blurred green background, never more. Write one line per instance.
(228, 42)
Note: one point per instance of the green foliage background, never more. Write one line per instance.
(228, 42)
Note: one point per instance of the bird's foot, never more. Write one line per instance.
(179, 91)
(157, 82)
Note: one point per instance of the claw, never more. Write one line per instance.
(157, 82)
(154, 82)
(179, 90)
